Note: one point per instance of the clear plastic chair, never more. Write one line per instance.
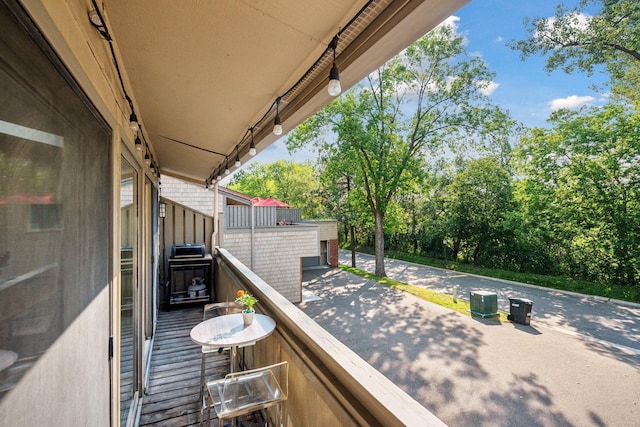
(209, 311)
(242, 393)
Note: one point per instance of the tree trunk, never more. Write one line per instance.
(456, 249)
(379, 245)
(353, 246)
(476, 253)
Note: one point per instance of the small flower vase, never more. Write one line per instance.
(247, 317)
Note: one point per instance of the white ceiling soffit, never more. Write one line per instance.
(203, 72)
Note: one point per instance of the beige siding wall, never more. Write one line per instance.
(188, 194)
(328, 229)
(277, 255)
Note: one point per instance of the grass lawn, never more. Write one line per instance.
(444, 300)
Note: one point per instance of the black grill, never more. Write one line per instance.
(188, 251)
(190, 269)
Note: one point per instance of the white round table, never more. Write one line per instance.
(230, 331)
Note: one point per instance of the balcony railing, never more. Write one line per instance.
(240, 216)
(328, 383)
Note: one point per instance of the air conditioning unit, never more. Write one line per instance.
(484, 303)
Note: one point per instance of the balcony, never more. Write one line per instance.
(328, 383)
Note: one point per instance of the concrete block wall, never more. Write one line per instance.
(277, 255)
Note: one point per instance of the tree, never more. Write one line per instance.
(291, 182)
(342, 200)
(583, 177)
(479, 199)
(420, 103)
(573, 40)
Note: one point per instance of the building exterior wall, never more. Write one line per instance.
(188, 194)
(328, 228)
(333, 253)
(277, 254)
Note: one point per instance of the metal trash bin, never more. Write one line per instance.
(520, 309)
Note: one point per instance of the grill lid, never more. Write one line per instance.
(188, 251)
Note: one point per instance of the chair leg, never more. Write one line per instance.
(202, 385)
(208, 409)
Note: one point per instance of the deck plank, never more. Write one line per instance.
(171, 397)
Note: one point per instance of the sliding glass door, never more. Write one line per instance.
(129, 351)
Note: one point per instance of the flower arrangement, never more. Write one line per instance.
(247, 299)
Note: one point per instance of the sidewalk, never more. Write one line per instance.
(470, 371)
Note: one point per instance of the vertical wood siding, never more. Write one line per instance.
(183, 225)
(240, 217)
(265, 216)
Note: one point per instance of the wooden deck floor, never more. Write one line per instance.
(171, 398)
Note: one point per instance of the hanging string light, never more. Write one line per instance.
(133, 122)
(237, 165)
(252, 147)
(277, 124)
(334, 88)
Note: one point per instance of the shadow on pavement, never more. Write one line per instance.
(430, 352)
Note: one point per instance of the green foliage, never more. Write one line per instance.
(582, 181)
(384, 133)
(573, 40)
(478, 199)
(620, 292)
(293, 183)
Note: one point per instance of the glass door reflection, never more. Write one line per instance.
(128, 286)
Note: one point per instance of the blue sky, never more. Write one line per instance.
(524, 88)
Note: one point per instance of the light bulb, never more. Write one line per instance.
(238, 162)
(95, 18)
(227, 171)
(133, 122)
(277, 126)
(334, 88)
(138, 144)
(252, 147)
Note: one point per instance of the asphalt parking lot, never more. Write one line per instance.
(576, 364)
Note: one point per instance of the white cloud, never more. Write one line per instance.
(452, 21)
(570, 102)
(487, 88)
(579, 21)
(498, 39)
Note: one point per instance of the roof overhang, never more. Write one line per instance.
(202, 73)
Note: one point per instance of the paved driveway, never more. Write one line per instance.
(565, 369)
(609, 322)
